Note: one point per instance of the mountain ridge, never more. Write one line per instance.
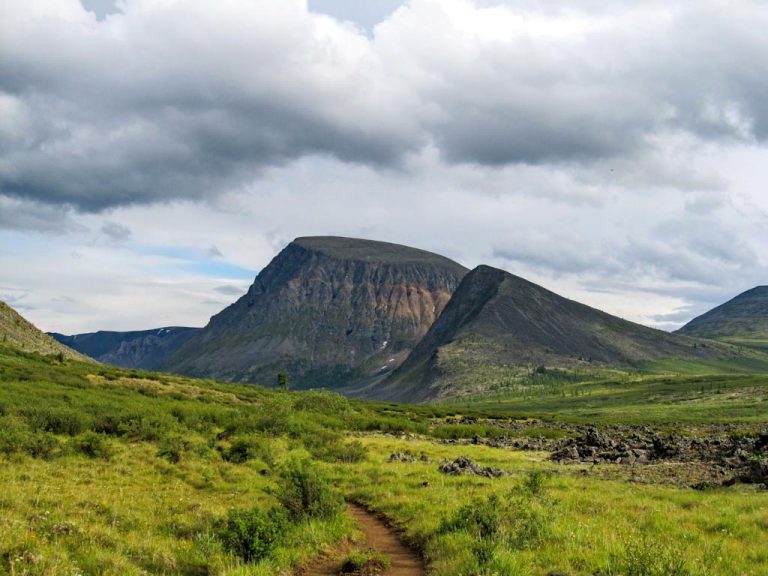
(743, 317)
(144, 349)
(498, 319)
(325, 310)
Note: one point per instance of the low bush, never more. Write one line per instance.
(14, 432)
(322, 402)
(171, 447)
(304, 491)
(252, 534)
(329, 446)
(248, 447)
(482, 518)
(520, 521)
(349, 453)
(42, 445)
(150, 428)
(92, 445)
(57, 420)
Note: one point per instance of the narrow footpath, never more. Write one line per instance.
(377, 535)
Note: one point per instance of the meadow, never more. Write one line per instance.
(113, 471)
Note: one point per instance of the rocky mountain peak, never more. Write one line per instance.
(326, 309)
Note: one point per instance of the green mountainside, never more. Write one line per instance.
(742, 320)
(327, 311)
(498, 328)
(17, 332)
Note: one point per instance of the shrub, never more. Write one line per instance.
(329, 446)
(304, 491)
(481, 518)
(249, 447)
(14, 432)
(252, 534)
(150, 428)
(57, 420)
(531, 522)
(534, 482)
(171, 448)
(323, 402)
(531, 512)
(42, 445)
(350, 453)
(92, 445)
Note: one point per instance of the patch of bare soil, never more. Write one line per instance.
(377, 535)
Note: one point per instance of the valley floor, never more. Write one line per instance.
(108, 471)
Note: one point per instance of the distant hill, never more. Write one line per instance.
(145, 349)
(17, 332)
(326, 310)
(742, 320)
(499, 320)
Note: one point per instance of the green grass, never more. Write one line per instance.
(114, 471)
(577, 522)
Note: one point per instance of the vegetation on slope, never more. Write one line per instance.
(497, 321)
(16, 332)
(742, 321)
(114, 471)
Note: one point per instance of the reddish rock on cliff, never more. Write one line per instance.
(327, 310)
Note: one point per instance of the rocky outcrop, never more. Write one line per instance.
(327, 311)
(464, 466)
(729, 458)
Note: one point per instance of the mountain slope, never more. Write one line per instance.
(743, 320)
(498, 320)
(145, 349)
(326, 310)
(17, 332)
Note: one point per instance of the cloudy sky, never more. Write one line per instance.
(156, 154)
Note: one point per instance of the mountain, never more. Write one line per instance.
(497, 322)
(17, 332)
(742, 320)
(326, 310)
(145, 349)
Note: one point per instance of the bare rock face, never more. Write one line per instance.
(327, 311)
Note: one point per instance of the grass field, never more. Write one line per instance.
(111, 471)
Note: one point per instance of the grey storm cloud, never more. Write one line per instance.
(116, 232)
(22, 215)
(186, 100)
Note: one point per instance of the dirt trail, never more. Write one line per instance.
(405, 562)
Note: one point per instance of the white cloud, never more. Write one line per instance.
(178, 100)
(612, 151)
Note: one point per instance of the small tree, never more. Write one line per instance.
(282, 381)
